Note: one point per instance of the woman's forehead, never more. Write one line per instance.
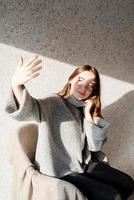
(87, 75)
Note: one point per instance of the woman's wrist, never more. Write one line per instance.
(16, 85)
(89, 117)
(17, 91)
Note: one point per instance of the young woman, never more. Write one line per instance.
(71, 131)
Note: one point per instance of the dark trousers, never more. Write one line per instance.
(102, 182)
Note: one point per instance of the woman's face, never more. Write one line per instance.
(82, 85)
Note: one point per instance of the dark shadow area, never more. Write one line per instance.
(27, 136)
(120, 144)
(96, 32)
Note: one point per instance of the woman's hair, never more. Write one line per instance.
(95, 96)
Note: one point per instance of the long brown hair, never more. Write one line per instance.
(95, 96)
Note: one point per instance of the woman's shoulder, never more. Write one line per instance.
(50, 98)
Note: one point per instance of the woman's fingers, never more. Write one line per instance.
(33, 70)
(88, 102)
(28, 70)
(29, 62)
(20, 61)
(34, 75)
(34, 64)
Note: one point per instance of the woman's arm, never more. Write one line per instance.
(95, 133)
(17, 94)
(95, 129)
(21, 105)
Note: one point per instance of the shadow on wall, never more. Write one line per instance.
(120, 144)
(99, 33)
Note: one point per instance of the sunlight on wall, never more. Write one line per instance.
(53, 77)
(113, 89)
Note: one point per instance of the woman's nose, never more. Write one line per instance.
(84, 86)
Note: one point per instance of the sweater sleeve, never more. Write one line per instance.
(28, 110)
(95, 133)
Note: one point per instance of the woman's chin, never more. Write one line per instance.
(80, 98)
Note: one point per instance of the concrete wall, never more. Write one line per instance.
(66, 34)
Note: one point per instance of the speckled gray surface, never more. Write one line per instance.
(67, 33)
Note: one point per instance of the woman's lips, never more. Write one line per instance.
(81, 93)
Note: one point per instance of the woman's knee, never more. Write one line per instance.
(130, 182)
(116, 196)
(127, 184)
(112, 194)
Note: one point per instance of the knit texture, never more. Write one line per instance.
(63, 133)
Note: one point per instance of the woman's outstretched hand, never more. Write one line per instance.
(26, 71)
(86, 109)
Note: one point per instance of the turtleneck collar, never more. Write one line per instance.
(72, 100)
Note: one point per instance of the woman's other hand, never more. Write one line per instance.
(86, 109)
(26, 71)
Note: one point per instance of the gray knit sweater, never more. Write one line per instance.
(65, 137)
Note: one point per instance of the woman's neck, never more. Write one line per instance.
(72, 100)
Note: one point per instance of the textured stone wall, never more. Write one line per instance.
(66, 34)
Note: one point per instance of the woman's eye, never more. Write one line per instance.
(91, 85)
(80, 79)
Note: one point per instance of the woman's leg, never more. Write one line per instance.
(92, 189)
(111, 176)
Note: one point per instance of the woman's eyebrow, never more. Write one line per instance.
(81, 77)
(89, 79)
